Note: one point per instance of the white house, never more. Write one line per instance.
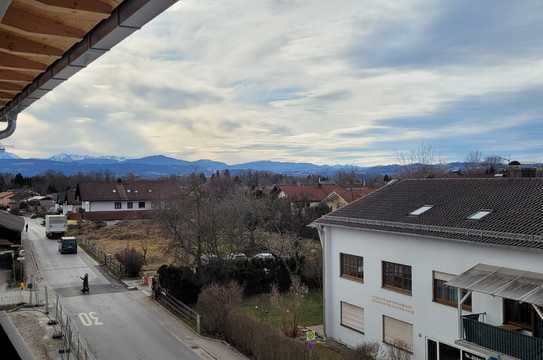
(123, 200)
(396, 261)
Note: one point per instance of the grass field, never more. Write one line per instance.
(138, 235)
(260, 307)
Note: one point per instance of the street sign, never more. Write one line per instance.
(310, 335)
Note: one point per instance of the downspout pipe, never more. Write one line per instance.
(322, 235)
(11, 119)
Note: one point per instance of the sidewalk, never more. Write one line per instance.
(206, 348)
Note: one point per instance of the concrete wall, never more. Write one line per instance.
(424, 255)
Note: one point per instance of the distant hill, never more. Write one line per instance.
(160, 165)
(7, 155)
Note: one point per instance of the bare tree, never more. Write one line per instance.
(420, 162)
(474, 162)
(398, 352)
(290, 306)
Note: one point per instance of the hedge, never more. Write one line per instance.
(255, 276)
(260, 341)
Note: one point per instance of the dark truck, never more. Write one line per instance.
(67, 245)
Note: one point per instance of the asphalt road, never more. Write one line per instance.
(116, 323)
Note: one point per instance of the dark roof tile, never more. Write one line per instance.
(516, 205)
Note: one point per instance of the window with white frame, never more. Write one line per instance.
(352, 317)
(118, 205)
(398, 333)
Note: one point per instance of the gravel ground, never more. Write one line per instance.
(32, 326)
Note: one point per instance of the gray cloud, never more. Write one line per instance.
(306, 81)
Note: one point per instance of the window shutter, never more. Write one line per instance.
(352, 316)
(398, 333)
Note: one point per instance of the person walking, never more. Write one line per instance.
(26, 227)
(85, 279)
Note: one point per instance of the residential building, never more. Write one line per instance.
(46, 202)
(397, 262)
(331, 195)
(123, 200)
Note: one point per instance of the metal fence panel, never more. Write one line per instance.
(506, 342)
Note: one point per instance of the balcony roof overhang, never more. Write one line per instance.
(519, 285)
(45, 42)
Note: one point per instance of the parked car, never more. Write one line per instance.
(264, 256)
(208, 258)
(237, 257)
(67, 245)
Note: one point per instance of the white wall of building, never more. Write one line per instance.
(110, 206)
(424, 255)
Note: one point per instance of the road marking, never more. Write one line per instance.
(90, 319)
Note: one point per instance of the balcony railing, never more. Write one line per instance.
(514, 344)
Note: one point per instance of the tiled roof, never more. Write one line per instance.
(11, 222)
(317, 193)
(128, 191)
(515, 204)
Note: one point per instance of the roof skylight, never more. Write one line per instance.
(421, 210)
(479, 214)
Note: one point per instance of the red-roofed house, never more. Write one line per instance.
(331, 195)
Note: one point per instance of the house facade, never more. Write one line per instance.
(123, 200)
(397, 261)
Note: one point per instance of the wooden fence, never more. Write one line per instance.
(108, 260)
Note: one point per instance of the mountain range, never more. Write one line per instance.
(160, 165)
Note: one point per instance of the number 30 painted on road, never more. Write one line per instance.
(89, 319)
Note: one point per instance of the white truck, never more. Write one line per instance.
(55, 226)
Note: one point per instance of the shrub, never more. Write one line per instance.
(282, 277)
(311, 273)
(260, 341)
(290, 307)
(132, 260)
(215, 303)
(367, 351)
(254, 277)
(181, 282)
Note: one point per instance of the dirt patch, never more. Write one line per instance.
(144, 236)
(32, 326)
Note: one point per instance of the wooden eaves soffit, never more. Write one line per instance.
(44, 42)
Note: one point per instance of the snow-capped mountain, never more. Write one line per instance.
(66, 157)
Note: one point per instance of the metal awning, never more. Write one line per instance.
(523, 286)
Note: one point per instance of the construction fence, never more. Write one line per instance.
(71, 346)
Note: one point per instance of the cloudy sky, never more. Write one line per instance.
(350, 82)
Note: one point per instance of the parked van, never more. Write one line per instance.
(67, 245)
